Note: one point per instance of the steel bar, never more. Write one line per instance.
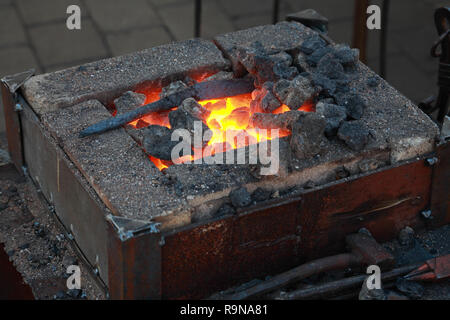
(301, 272)
(213, 89)
(335, 287)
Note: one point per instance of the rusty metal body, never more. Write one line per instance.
(12, 287)
(196, 260)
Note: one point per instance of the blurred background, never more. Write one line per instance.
(33, 33)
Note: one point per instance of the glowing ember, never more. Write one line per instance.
(233, 113)
(227, 114)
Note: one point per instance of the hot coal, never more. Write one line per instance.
(157, 142)
(312, 44)
(240, 198)
(186, 115)
(191, 106)
(355, 134)
(308, 139)
(172, 88)
(275, 121)
(334, 116)
(294, 93)
(269, 102)
(129, 101)
(354, 104)
(265, 99)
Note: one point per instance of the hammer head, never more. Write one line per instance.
(370, 251)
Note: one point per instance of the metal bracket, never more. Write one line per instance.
(15, 81)
(9, 87)
(130, 228)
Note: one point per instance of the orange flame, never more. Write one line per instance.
(230, 114)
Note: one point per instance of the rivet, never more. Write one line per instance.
(427, 214)
(18, 107)
(432, 161)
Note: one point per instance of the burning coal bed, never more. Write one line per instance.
(303, 96)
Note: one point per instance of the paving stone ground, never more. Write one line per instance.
(33, 33)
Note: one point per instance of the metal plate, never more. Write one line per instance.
(200, 260)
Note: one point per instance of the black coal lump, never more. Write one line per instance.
(334, 116)
(354, 104)
(327, 85)
(330, 67)
(225, 210)
(158, 143)
(261, 195)
(240, 197)
(347, 56)
(355, 134)
(312, 43)
(315, 57)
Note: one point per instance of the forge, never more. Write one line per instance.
(352, 152)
